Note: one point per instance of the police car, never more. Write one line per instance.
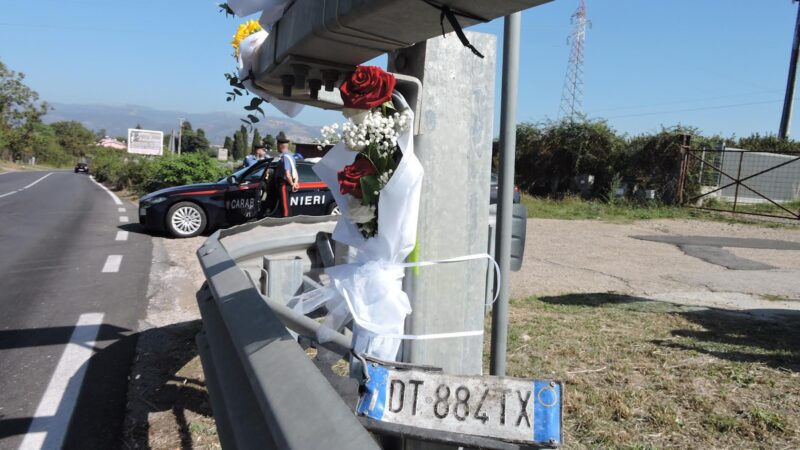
(249, 193)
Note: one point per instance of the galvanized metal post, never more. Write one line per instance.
(508, 142)
(738, 182)
(454, 146)
(788, 102)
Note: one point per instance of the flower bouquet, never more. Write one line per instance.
(247, 45)
(376, 180)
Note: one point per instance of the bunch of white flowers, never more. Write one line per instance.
(330, 134)
(375, 128)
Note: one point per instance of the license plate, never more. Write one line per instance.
(509, 409)
(142, 212)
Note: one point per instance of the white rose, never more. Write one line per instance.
(358, 213)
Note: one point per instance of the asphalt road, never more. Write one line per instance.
(72, 290)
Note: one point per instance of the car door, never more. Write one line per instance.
(243, 197)
(313, 197)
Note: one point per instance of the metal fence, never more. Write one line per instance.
(742, 182)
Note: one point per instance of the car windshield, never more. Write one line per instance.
(252, 175)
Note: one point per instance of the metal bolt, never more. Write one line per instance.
(287, 81)
(552, 442)
(314, 85)
(330, 77)
(552, 384)
(300, 74)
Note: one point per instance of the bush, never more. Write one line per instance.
(142, 174)
(551, 155)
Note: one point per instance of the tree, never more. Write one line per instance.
(243, 142)
(20, 110)
(138, 127)
(256, 139)
(269, 141)
(73, 137)
(193, 141)
(550, 155)
(236, 147)
(228, 144)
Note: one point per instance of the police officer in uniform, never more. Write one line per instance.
(285, 174)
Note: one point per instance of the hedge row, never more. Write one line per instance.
(142, 174)
(551, 155)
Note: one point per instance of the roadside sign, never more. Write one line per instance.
(145, 142)
(222, 154)
(508, 409)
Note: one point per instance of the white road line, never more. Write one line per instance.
(58, 402)
(123, 219)
(112, 264)
(120, 209)
(113, 195)
(40, 179)
(26, 187)
(122, 236)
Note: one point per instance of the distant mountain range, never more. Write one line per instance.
(117, 119)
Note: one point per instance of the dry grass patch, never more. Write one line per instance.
(647, 375)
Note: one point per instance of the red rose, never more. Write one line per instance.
(367, 87)
(350, 177)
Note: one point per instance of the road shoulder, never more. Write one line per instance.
(168, 406)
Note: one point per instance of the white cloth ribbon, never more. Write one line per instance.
(378, 281)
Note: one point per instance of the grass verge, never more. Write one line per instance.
(6, 166)
(576, 208)
(647, 375)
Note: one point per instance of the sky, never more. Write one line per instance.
(719, 65)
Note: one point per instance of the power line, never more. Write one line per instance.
(706, 108)
(680, 102)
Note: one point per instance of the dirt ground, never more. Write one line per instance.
(168, 406)
(565, 257)
(689, 376)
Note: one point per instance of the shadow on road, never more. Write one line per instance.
(770, 337)
(97, 421)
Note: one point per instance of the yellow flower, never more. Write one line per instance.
(245, 30)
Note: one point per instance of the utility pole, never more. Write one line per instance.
(180, 134)
(457, 111)
(505, 205)
(572, 92)
(788, 102)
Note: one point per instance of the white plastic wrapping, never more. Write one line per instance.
(369, 289)
(248, 59)
(271, 10)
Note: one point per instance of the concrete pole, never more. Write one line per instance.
(788, 102)
(505, 194)
(180, 134)
(454, 145)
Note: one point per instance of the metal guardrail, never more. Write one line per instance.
(265, 391)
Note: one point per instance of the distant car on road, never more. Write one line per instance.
(494, 189)
(249, 193)
(82, 167)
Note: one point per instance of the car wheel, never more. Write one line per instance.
(333, 210)
(186, 219)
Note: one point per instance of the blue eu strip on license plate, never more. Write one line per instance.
(509, 409)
